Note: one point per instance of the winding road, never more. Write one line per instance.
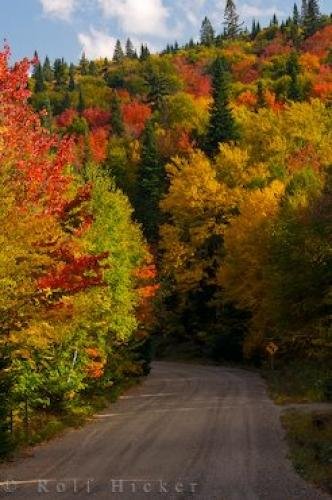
(188, 431)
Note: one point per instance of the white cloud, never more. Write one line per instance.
(97, 44)
(248, 10)
(216, 15)
(192, 10)
(135, 18)
(61, 9)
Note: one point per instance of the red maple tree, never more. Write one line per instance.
(135, 115)
(36, 163)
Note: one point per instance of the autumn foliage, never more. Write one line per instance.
(135, 116)
(196, 82)
(320, 43)
(222, 152)
(98, 141)
(97, 118)
(57, 270)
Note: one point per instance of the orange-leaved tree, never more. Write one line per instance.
(43, 259)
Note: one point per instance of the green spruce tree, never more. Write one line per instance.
(39, 78)
(294, 27)
(232, 25)
(81, 102)
(222, 127)
(145, 53)
(293, 69)
(61, 72)
(84, 65)
(92, 71)
(261, 101)
(116, 115)
(118, 55)
(255, 29)
(304, 11)
(151, 185)
(158, 89)
(66, 102)
(296, 15)
(312, 19)
(47, 70)
(71, 84)
(207, 33)
(130, 51)
(105, 65)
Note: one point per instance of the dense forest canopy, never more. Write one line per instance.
(207, 164)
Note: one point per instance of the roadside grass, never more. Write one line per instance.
(299, 382)
(45, 425)
(309, 436)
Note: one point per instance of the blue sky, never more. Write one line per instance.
(66, 27)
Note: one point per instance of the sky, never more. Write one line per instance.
(66, 28)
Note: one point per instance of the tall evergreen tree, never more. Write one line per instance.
(304, 11)
(293, 69)
(296, 15)
(81, 102)
(92, 71)
(66, 102)
(312, 19)
(151, 185)
(232, 25)
(61, 72)
(84, 65)
(116, 115)
(222, 127)
(295, 24)
(71, 84)
(130, 51)
(118, 55)
(39, 77)
(255, 29)
(47, 70)
(159, 89)
(207, 33)
(145, 52)
(261, 101)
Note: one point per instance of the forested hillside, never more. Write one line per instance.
(200, 177)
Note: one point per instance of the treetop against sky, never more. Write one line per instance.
(67, 27)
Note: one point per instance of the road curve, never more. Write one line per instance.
(187, 432)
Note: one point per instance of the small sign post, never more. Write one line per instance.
(272, 350)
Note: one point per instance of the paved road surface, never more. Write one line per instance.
(187, 432)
